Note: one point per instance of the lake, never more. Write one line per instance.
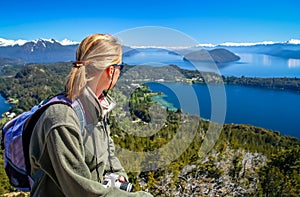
(250, 64)
(271, 109)
(259, 65)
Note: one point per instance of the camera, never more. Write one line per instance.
(112, 180)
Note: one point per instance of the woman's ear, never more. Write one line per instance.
(110, 71)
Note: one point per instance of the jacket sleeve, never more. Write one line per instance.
(63, 160)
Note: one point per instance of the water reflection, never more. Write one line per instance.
(246, 57)
(266, 60)
(293, 63)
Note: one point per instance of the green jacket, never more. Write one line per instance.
(74, 160)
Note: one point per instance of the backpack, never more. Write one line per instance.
(16, 135)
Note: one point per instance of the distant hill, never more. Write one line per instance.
(216, 55)
(9, 61)
(9, 66)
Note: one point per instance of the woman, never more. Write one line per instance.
(70, 148)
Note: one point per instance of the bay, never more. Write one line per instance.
(4, 106)
(271, 109)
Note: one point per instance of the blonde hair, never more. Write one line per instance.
(94, 54)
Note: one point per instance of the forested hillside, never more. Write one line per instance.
(244, 160)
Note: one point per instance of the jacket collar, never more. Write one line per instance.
(94, 109)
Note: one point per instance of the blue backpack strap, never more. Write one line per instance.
(77, 107)
(80, 114)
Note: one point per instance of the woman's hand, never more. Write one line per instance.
(122, 179)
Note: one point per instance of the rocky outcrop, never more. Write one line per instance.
(231, 173)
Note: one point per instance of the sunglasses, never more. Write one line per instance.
(119, 65)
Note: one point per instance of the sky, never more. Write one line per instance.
(207, 21)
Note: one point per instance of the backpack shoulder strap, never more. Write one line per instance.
(80, 114)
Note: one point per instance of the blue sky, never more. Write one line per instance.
(206, 21)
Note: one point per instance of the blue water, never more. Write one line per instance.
(250, 64)
(3, 106)
(271, 109)
(259, 65)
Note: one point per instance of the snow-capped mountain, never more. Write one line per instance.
(243, 44)
(238, 44)
(289, 49)
(68, 42)
(5, 42)
(38, 51)
(293, 41)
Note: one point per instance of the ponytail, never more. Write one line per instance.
(76, 81)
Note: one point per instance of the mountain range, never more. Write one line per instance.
(289, 49)
(50, 50)
(39, 51)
